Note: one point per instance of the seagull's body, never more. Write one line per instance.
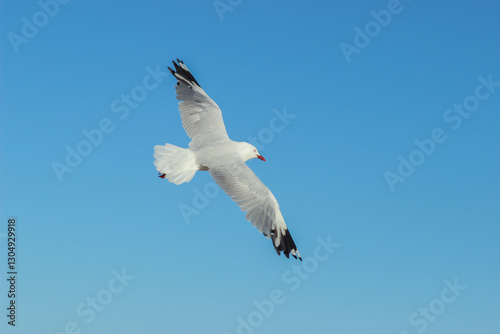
(211, 150)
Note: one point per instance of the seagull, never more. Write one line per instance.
(211, 150)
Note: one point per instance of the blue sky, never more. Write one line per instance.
(379, 122)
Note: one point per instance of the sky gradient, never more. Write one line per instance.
(379, 123)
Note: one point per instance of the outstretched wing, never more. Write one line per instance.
(201, 116)
(248, 191)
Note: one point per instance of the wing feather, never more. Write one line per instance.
(252, 196)
(201, 116)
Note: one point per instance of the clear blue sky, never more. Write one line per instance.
(389, 155)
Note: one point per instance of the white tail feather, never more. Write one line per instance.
(178, 164)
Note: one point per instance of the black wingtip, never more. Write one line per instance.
(286, 245)
(183, 74)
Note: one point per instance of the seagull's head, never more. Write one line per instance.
(249, 151)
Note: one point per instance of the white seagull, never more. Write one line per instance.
(211, 149)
